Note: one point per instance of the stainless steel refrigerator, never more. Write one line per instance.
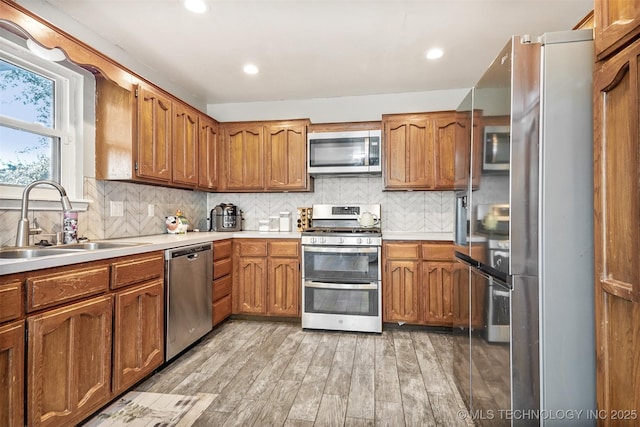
(525, 229)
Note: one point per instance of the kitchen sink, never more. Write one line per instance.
(38, 251)
(91, 246)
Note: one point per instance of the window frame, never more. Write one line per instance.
(69, 118)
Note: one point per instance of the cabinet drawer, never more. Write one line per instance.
(136, 269)
(221, 309)
(221, 249)
(284, 249)
(253, 248)
(11, 305)
(402, 250)
(58, 286)
(437, 252)
(221, 268)
(221, 287)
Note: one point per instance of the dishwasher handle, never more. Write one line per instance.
(191, 252)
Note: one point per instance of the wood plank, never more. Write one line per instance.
(389, 414)
(307, 402)
(362, 393)
(275, 412)
(433, 375)
(339, 380)
(332, 411)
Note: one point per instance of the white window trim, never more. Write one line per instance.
(70, 92)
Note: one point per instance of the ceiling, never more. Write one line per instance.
(317, 48)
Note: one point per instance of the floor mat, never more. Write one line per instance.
(140, 409)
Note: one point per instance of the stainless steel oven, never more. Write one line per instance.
(498, 296)
(341, 271)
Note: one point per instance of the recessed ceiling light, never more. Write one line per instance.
(434, 53)
(250, 69)
(195, 6)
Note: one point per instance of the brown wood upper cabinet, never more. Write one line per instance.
(265, 156)
(208, 153)
(185, 145)
(161, 143)
(617, 22)
(421, 149)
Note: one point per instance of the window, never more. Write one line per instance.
(41, 122)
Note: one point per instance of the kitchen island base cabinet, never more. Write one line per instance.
(12, 374)
(69, 362)
(138, 346)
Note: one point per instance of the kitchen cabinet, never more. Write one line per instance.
(186, 132)
(617, 22)
(244, 157)
(422, 285)
(284, 281)
(145, 135)
(208, 153)
(11, 298)
(420, 151)
(138, 329)
(463, 290)
(69, 362)
(222, 280)
(265, 156)
(154, 116)
(286, 149)
(266, 277)
(616, 213)
(12, 378)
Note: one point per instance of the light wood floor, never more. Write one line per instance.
(276, 374)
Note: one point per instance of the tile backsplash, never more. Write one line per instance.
(419, 211)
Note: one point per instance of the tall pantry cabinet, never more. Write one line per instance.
(617, 209)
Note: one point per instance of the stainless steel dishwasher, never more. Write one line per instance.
(188, 276)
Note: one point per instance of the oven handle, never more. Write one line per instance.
(342, 249)
(352, 286)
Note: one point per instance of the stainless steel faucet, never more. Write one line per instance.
(22, 237)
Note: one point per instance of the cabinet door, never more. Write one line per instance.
(69, 362)
(617, 22)
(284, 287)
(138, 333)
(251, 279)
(460, 295)
(154, 134)
(244, 158)
(185, 145)
(616, 231)
(446, 146)
(437, 293)
(401, 293)
(286, 148)
(208, 147)
(12, 374)
(408, 147)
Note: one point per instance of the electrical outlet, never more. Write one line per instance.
(150, 209)
(117, 208)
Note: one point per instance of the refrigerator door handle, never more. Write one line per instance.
(485, 270)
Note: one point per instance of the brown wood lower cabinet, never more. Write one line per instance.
(222, 280)
(138, 339)
(266, 278)
(424, 285)
(69, 362)
(12, 374)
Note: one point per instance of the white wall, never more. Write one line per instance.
(342, 109)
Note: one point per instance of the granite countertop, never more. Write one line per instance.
(167, 241)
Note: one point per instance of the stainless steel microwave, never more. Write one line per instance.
(497, 146)
(357, 152)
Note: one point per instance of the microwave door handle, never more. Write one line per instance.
(366, 151)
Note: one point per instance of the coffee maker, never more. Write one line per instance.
(225, 217)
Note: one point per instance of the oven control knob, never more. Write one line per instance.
(323, 239)
(359, 240)
(340, 239)
(313, 240)
(369, 240)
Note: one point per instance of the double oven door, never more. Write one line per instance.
(341, 288)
